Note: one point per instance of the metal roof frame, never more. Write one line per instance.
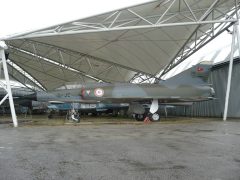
(111, 22)
(130, 18)
(27, 76)
(57, 64)
(64, 65)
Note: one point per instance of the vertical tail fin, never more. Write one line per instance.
(197, 74)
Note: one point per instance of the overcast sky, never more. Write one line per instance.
(22, 15)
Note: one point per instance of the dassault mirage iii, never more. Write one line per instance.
(188, 86)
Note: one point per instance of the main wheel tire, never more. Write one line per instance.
(155, 117)
(140, 117)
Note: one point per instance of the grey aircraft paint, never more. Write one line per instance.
(188, 86)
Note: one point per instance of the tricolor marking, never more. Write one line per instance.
(99, 92)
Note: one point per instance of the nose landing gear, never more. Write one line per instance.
(73, 115)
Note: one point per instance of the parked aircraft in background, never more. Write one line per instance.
(60, 103)
(90, 108)
(188, 86)
(86, 109)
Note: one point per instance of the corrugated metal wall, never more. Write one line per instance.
(215, 108)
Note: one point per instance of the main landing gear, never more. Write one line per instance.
(153, 115)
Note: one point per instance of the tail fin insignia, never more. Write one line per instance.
(197, 74)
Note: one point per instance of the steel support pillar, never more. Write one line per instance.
(235, 35)
(3, 61)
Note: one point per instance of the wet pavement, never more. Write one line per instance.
(203, 150)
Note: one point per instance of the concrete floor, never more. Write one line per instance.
(189, 150)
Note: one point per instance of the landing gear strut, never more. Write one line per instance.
(153, 115)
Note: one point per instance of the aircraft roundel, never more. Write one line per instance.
(98, 92)
(200, 69)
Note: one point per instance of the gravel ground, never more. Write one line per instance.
(202, 149)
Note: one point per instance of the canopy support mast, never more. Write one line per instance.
(235, 35)
(3, 61)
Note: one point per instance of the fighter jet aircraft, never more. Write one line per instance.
(188, 86)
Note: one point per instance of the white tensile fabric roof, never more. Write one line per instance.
(119, 45)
